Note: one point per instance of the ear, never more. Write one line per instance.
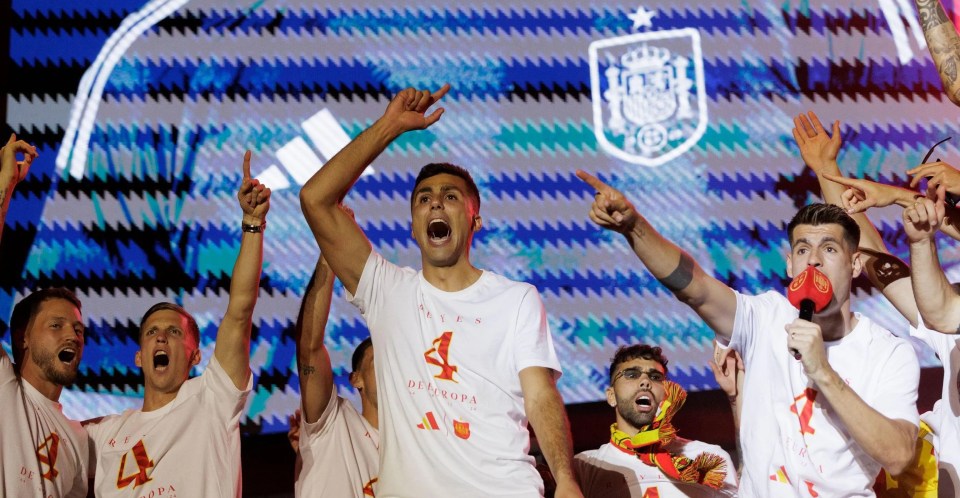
(857, 264)
(789, 265)
(137, 360)
(195, 357)
(356, 380)
(611, 397)
(477, 223)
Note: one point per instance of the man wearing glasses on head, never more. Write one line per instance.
(645, 457)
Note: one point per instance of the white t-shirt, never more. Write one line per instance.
(338, 453)
(945, 417)
(189, 447)
(609, 472)
(794, 443)
(452, 418)
(42, 453)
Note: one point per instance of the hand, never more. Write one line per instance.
(925, 216)
(253, 196)
(727, 368)
(408, 109)
(865, 194)
(13, 171)
(293, 435)
(817, 147)
(807, 339)
(610, 209)
(938, 173)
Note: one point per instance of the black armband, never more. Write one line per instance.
(681, 277)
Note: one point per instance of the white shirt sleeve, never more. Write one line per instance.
(311, 430)
(532, 339)
(229, 401)
(752, 313)
(899, 381)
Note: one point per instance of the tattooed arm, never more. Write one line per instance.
(313, 359)
(675, 269)
(944, 45)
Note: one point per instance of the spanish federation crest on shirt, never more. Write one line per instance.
(649, 99)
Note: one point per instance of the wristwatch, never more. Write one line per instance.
(253, 228)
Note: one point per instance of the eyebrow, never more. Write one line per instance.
(825, 239)
(443, 188)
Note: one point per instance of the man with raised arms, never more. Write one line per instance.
(821, 425)
(185, 441)
(464, 357)
(337, 450)
(42, 453)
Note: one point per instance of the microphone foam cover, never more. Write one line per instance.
(810, 284)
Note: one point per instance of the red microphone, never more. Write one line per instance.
(810, 292)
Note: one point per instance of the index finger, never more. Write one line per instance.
(441, 92)
(842, 180)
(591, 180)
(246, 165)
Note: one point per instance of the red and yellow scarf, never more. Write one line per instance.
(649, 445)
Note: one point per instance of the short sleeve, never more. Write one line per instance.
(898, 384)
(533, 341)
(311, 430)
(228, 400)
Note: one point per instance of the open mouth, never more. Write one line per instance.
(438, 230)
(644, 402)
(161, 359)
(67, 355)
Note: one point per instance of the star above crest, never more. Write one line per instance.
(642, 18)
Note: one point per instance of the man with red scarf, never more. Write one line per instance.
(645, 457)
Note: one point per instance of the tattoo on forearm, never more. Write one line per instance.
(680, 278)
(931, 14)
(886, 268)
(950, 68)
(307, 370)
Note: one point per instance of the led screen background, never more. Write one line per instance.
(142, 112)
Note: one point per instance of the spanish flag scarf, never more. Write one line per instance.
(649, 445)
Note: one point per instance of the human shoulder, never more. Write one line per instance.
(692, 448)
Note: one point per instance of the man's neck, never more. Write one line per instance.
(452, 278)
(49, 389)
(155, 400)
(836, 324)
(370, 413)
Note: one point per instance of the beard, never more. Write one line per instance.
(48, 363)
(627, 409)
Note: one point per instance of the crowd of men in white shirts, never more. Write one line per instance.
(825, 406)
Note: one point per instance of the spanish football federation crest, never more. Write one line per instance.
(649, 99)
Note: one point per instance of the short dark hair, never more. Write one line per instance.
(641, 351)
(192, 326)
(826, 214)
(358, 353)
(27, 308)
(434, 169)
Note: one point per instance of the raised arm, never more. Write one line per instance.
(548, 417)
(676, 270)
(944, 45)
(340, 238)
(313, 360)
(939, 303)
(233, 337)
(12, 172)
(885, 271)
